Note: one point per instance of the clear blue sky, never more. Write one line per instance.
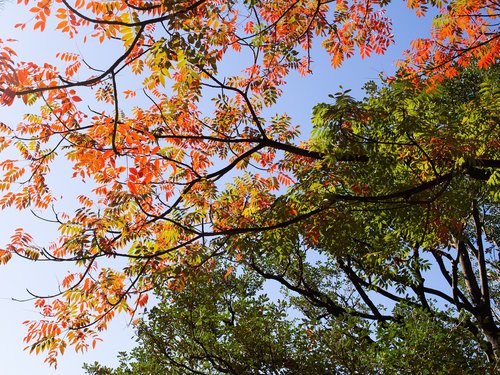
(300, 96)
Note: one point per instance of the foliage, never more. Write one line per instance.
(186, 160)
(407, 219)
(456, 39)
(225, 325)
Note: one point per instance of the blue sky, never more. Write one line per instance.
(300, 95)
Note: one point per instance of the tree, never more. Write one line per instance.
(225, 325)
(155, 172)
(366, 251)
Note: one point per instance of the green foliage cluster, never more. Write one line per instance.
(225, 324)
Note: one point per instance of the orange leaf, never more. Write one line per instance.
(132, 187)
(228, 272)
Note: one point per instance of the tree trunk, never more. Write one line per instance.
(492, 334)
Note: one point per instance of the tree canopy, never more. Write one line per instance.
(386, 187)
(397, 272)
(223, 325)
